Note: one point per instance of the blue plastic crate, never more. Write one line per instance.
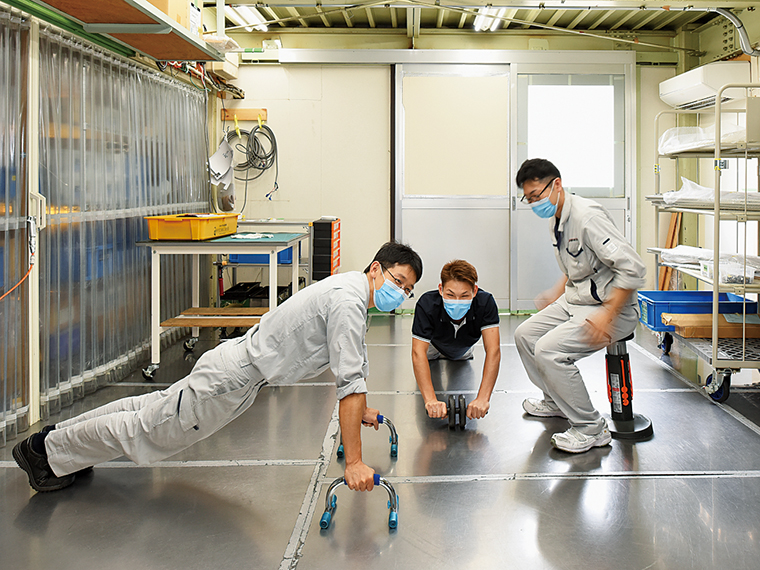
(653, 303)
(285, 256)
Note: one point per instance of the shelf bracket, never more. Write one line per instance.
(127, 28)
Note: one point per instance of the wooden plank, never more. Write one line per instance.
(101, 11)
(661, 281)
(670, 242)
(165, 47)
(700, 326)
(212, 322)
(225, 311)
(243, 114)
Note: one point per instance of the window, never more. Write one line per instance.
(577, 122)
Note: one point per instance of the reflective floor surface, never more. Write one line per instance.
(495, 495)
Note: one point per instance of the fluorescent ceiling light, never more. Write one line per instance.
(253, 16)
(245, 16)
(497, 21)
(232, 14)
(480, 19)
(484, 20)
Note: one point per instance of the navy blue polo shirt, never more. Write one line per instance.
(433, 324)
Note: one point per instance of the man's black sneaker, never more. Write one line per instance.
(41, 476)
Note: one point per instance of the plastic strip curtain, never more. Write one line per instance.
(117, 142)
(14, 261)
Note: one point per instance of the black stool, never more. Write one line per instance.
(623, 423)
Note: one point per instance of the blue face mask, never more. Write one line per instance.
(544, 208)
(388, 297)
(457, 309)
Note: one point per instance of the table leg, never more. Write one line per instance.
(155, 307)
(196, 291)
(296, 257)
(272, 279)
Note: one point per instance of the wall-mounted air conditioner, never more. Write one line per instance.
(697, 88)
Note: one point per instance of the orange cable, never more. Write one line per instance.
(17, 284)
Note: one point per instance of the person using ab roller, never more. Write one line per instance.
(447, 324)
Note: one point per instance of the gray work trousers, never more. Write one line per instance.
(551, 342)
(149, 428)
(434, 354)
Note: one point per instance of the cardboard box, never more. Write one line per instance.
(177, 10)
(700, 326)
(227, 69)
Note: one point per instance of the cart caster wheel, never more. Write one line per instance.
(339, 453)
(189, 344)
(324, 522)
(667, 343)
(149, 373)
(393, 520)
(722, 393)
(394, 450)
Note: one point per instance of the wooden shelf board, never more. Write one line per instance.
(178, 45)
(243, 114)
(204, 317)
(101, 11)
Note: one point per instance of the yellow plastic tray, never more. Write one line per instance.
(191, 226)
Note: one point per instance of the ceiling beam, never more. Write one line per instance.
(295, 13)
(370, 17)
(556, 16)
(646, 20)
(601, 19)
(532, 15)
(623, 20)
(667, 20)
(577, 20)
(322, 16)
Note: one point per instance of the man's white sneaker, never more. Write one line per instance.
(541, 409)
(574, 441)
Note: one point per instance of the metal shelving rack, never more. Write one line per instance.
(723, 355)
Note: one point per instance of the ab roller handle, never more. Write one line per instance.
(331, 501)
(456, 409)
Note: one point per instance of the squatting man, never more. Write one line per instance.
(591, 306)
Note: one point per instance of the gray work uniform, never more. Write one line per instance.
(322, 326)
(596, 259)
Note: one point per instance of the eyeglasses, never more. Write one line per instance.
(535, 197)
(400, 284)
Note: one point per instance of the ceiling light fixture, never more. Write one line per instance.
(496, 22)
(246, 16)
(253, 16)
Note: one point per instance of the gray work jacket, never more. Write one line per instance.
(321, 326)
(592, 253)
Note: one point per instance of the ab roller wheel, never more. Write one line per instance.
(393, 439)
(331, 502)
(457, 408)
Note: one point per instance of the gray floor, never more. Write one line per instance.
(493, 496)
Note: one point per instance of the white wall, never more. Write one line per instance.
(333, 132)
(649, 105)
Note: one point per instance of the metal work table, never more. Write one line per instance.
(224, 245)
